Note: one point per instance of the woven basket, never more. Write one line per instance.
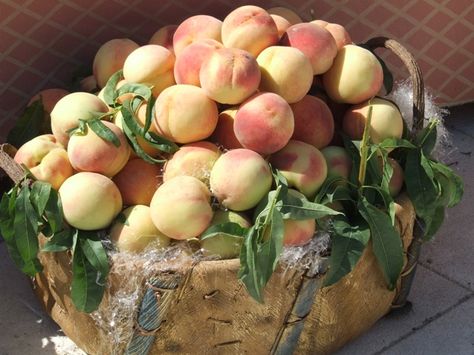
(202, 308)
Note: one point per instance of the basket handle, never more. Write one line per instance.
(415, 73)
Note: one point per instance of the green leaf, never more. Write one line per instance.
(394, 143)
(149, 113)
(452, 186)
(137, 89)
(296, 206)
(26, 232)
(230, 229)
(60, 241)
(426, 138)
(327, 188)
(347, 245)
(433, 222)
(29, 125)
(103, 131)
(7, 228)
(39, 195)
(110, 92)
(94, 251)
(54, 211)
(386, 241)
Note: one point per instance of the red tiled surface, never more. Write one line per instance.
(43, 42)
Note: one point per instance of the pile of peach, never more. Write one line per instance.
(238, 97)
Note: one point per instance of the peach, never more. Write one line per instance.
(72, 107)
(195, 28)
(224, 133)
(338, 161)
(150, 65)
(110, 58)
(189, 62)
(184, 114)
(134, 231)
(240, 178)
(229, 75)
(355, 76)
(396, 182)
(223, 245)
(88, 84)
(49, 98)
(314, 123)
(386, 120)
(90, 201)
(193, 159)
(181, 208)
(281, 23)
(92, 153)
(292, 17)
(46, 159)
(164, 37)
(302, 165)
(264, 123)
(250, 28)
(298, 232)
(315, 42)
(138, 181)
(286, 71)
(340, 34)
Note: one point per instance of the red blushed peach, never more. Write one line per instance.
(189, 62)
(46, 159)
(386, 120)
(72, 107)
(338, 161)
(281, 23)
(229, 75)
(224, 135)
(88, 84)
(164, 37)
(396, 182)
(286, 71)
(355, 76)
(138, 181)
(292, 17)
(194, 159)
(195, 28)
(223, 245)
(90, 201)
(240, 178)
(250, 28)
(298, 232)
(315, 42)
(181, 207)
(314, 123)
(264, 123)
(340, 34)
(92, 153)
(110, 58)
(135, 231)
(303, 166)
(150, 65)
(185, 114)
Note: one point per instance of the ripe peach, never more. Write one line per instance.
(184, 114)
(340, 34)
(49, 98)
(72, 107)
(164, 37)
(240, 178)
(386, 120)
(181, 207)
(189, 62)
(250, 28)
(92, 153)
(298, 232)
(195, 28)
(314, 123)
(315, 42)
(303, 166)
(281, 23)
(224, 133)
(396, 182)
(90, 201)
(225, 246)
(355, 76)
(88, 84)
(46, 158)
(264, 123)
(150, 65)
(110, 58)
(193, 159)
(229, 75)
(134, 231)
(338, 161)
(286, 71)
(292, 17)
(138, 181)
